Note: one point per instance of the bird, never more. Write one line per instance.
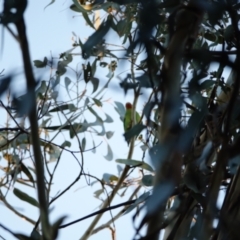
(128, 121)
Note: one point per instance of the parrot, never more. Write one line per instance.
(128, 121)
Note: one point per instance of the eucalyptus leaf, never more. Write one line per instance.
(108, 177)
(67, 82)
(109, 155)
(98, 193)
(95, 38)
(35, 235)
(89, 22)
(55, 227)
(25, 197)
(52, 1)
(66, 144)
(108, 119)
(147, 180)
(78, 7)
(4, 84)
(120, 109)
(95, 114)
(71, 107)
(97, 102)
(27, 172)
(83, 144)
(87, 72)
(41, 64)
(94, 147)
(109, 134)
(134, 131)
(95, 83)
(135, 163)
(207, 84)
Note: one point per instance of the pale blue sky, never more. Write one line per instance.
(50, 31)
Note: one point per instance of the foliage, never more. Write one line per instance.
(177, 57)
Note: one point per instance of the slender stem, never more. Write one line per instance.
(24, 217)
(107, 224)
(21, 28)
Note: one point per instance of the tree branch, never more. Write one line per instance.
(21, 29)
(98, 213)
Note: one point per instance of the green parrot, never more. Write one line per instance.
(128, 121)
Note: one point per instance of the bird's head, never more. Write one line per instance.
(128, 105)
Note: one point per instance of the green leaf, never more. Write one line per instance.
(213, 37)
(108, 177)
(109, 134)
(55, 82)
(103, 64)
(71, 107)
(27, 172)
(83, 145)
(228, 32)
(74, 8)
(55, 227)
(135, 163)
(94, 66)
(95, 38)
(54, 153)
(66, 144)
(49, 4)
(24, 103)
(4, 84)
(134, 131)
(86, 102)
(207, 84)
(78, 7)
(42, 89)
(108, 119)
(41, 64)
(94, 147)
(85, 15)
(35, 235)
(120, 169)
(58, 127)
(127, 31)
(109, 155)
(25, 197)
(67, 82)
(95, 83)
(120, 109)
(87, 72)
(20, 236)
(147, 180)
(98, 193)
(95, 114)
(77, 128)
(61, 68)
(121, 25)
(97, 102)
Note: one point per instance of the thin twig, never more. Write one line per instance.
(2, 198)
